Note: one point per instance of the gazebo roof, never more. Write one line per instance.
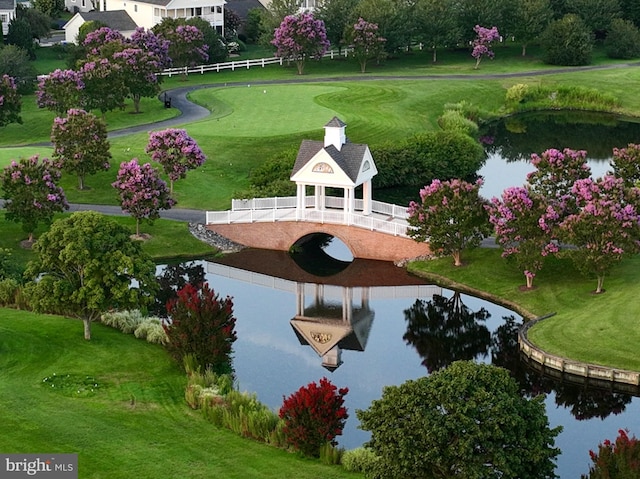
(349, 158)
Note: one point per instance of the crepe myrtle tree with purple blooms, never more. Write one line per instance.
(176, 152)
(451, 216)
(31, 193)
(80, 144)
(105, 86)
(142, 192)
(10, 102)
(605, 228)
(157, 45)
(103, 42)
(522, 224)
(367, 42)
(59, 91)
(482, 43)
(187, 46)
(299, 37)
(139, 67)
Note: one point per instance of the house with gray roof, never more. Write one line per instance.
(116, 20)
(7, 13)
(333, 163)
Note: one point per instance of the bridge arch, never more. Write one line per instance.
(363, 243)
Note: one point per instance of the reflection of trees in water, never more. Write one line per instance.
(444, 330)
(173, 278)
(517, 137)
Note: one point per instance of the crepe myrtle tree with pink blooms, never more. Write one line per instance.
(605, 228)
(522, 224)
(139, 67)
(176, 152)
(59, 91)
(80, 144)
(451, 216)
(157, 45)
(367, 42)
(300, 37)
(626, 164)
(31, 193)
(482, 43)
(142, 192)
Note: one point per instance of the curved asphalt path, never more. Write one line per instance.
(190, 112)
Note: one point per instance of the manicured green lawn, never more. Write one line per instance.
(601, 329)
(134, 424)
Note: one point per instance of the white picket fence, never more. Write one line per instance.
(234, 65)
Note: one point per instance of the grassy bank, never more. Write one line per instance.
(129, 419)
(600, 329)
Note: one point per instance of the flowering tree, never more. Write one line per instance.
(626, 164)
(176, 151)
(104, 85)
(31, 193)
(301, 36)
(103, 42)
(482, 43)
(557, 171)
(367, 43)
(157, 45)
(616, 460)
(606, 226)
(187, 45)
(10, 103)
(313, 416)
(59, 91)
(202, 325)
(80, 144)
(139, 68)
(142, 193)
(451, 216)
(521, 228)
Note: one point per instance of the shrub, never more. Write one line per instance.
(517, 93)
(453, 120)
(623, 40)
(313, 416)
(203, 325)
(619, 460)
(151, 329)
(567, 42)
(9, 267)
(330, 454)
(468, 110)
(8, 290)
(361, 459)
(125, 321)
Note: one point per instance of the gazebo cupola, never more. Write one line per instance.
(334, 162)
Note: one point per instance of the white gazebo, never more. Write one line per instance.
(333, 163)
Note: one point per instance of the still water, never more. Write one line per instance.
(288, 326)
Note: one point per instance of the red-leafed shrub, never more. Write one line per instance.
(203, 326)
(314, 415)
(619, 460)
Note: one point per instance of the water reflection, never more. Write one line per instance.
(382, 326)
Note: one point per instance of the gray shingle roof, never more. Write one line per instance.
(7, 4)
(336, 122)
(114, 19)
(349, 158)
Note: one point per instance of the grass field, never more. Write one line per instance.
(128, 419)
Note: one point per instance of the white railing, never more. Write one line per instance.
(233, 65)
(384, 218)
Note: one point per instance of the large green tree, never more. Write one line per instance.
(337, 16)
(528, 20)
(87, 264)
(567, 41)
(466, 421)
(436, 24)
(596, 14)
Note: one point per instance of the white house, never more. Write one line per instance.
(7, 13)
(116, 20)
(334, 163)
(148, 13)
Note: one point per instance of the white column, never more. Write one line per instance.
(300, 201)
(366, 197)
(345, 203)
(299, 299)
(352, 200)
(317, 193)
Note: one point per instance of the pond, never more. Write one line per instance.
(366, 328)
(509, 143)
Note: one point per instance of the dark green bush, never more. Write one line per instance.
(623, 40)
(567, 42)
(420, 159)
